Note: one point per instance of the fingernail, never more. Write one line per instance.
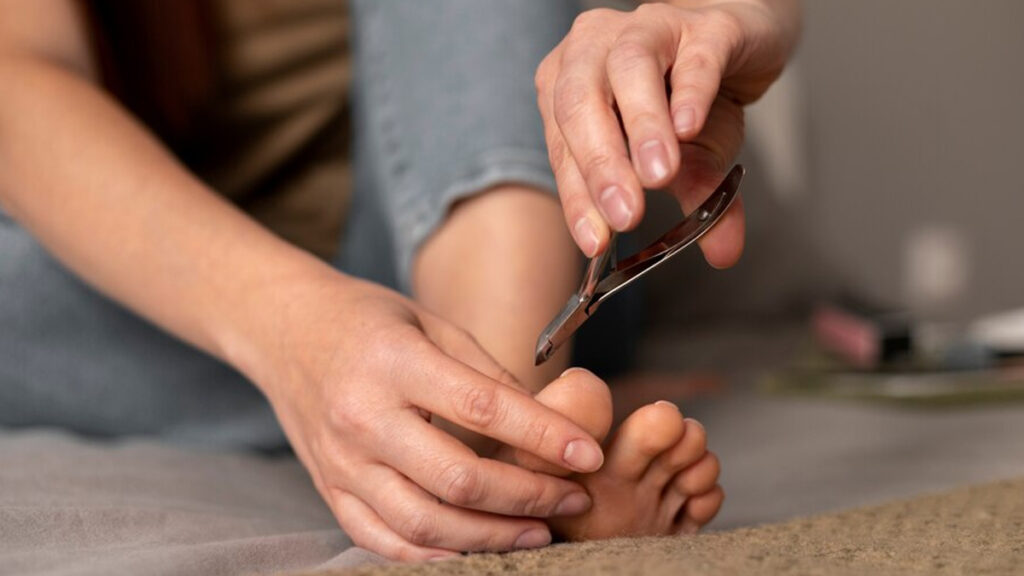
(442, 557)
(533, 538)
(653, 160)
(583, 456)
(613, 203)
(684, 120)
(573, 505)
(586, 236)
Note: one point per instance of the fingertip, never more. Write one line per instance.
(684, 120)
(621, 208)
(583, 455)
(591, 234)
(655, 164)
(723, 245)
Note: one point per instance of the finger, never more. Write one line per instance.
(585, 223)
(704, 163)
(444, 467)
(696, 77)
(465, 397)
(582, 107)
(421, 519)
(636, 67)
(367, 530)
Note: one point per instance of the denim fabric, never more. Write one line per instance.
(445, 109)
(73, 359)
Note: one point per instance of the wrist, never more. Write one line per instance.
(262, 333)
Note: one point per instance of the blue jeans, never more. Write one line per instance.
(444, 108)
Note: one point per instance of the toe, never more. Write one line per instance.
(699, 510)
(583, 398)
(643, 437)
(690, 449)
(700, 477)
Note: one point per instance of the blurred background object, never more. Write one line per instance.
(884, 162)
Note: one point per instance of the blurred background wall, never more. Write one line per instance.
(885, 163)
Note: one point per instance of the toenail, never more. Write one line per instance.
(583, 456)
(689, 527)
(533, 538)
(574, 369)
(573, 505)
(667, 403)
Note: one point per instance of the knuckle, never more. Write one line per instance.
(536, 502)
(724, 24)
(697, 60)
(643, 118)
(570, 99)
(479, 406)
(542, 75)
(460, 484)
(598, 161)
(347, 418)
(591, 19)
(649, 11)
(557, 156)
(700, 59)
(628, 54)
(537, 436)
(419, 527)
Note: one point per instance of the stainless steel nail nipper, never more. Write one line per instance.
(598, 286)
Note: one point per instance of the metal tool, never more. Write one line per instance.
(596, 288)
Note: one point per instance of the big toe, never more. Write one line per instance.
(642, 438)
(583, 398)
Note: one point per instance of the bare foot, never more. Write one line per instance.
(658, 476)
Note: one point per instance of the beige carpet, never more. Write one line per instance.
(976, 530)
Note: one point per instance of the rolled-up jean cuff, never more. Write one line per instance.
(490, 169)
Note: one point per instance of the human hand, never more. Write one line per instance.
(359, 371)
(713, 57)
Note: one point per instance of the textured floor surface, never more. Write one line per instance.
(975, 530)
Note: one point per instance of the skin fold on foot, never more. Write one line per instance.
(658, 477)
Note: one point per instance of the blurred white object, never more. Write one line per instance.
(1003, 332)
(936, 267)
(775, 131)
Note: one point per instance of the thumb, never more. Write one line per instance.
(705, 161)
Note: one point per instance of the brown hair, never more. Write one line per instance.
(158, 58)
